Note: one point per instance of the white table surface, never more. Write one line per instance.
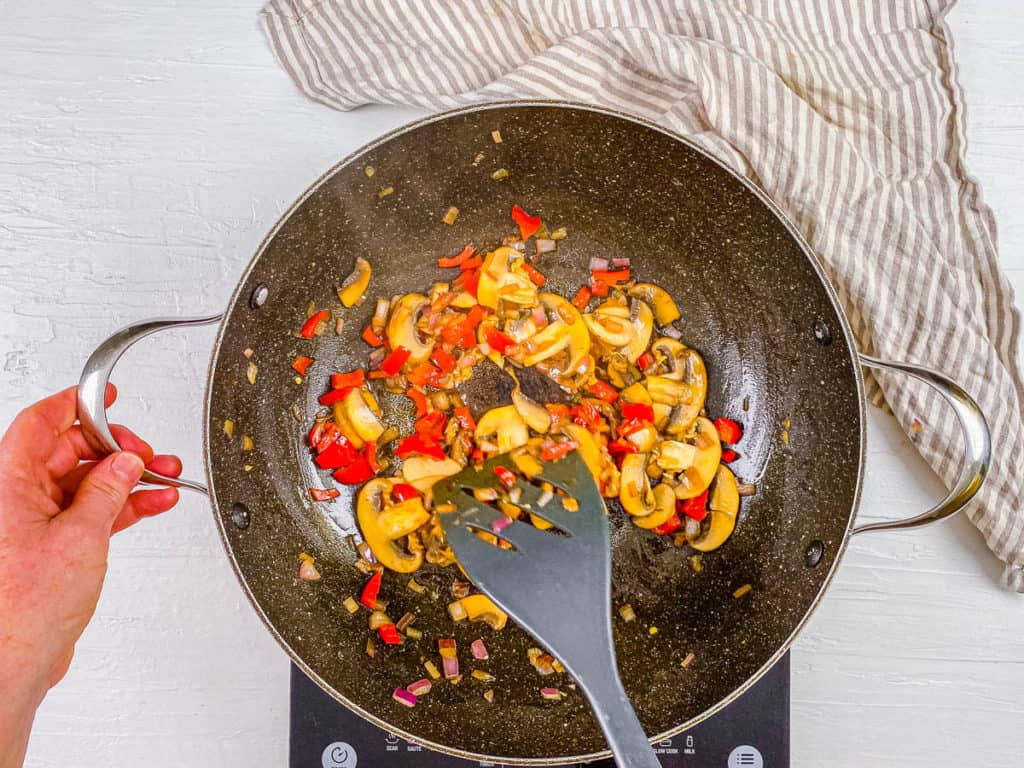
(145, 149)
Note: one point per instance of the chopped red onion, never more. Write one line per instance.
(450, 665)
(479, 650)
(596, 262)
(501, 524)
(419, 688)
(404, 697)
(545, 245)
(672, 332)
(539, 318)
(692, 527)
(377, 357)
(308, 571)
(622, 261)
(551, 694)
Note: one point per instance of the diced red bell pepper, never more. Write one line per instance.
(338, 454)
(404, 492)
(393, 363)
(348, 380)
(324, 494)
(328, 434)
(697, 507)
(371, 455)
(431, 424)
(378, 374)
(728, 430)
(471, 282)
(301, 364)
(472, 263)
(629, 426)
(359, 471)
(610, 276)
(498, 341)
(550, 450)
(443, 359)
(389, 634)
(621, 447)
(474, 316)
(558, 411)
(309, 327)
(527, 224)
(669, 526)
(371, 591)
(454, 261)
(586, 415)
(422, 444)
(645, 361)
(638, 411)
(426, 374)
(371, 337)
(599, 288)
(464, 418)
(729, 456)
(506, 476)
(334, 396)
(582, 297)
(419, 400)
(535, 275)
(316, 432)
(602, 390)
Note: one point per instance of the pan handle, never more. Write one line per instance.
(92, 387)
(977, 444)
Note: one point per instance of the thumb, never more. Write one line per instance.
(104, 491)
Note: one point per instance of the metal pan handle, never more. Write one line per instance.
(977, 445)
(92, 387)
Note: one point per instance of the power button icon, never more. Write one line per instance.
(746, 757)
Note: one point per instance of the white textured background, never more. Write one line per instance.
(145, 148)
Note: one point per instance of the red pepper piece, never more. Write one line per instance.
(443, 359)
(334, 396)
(465, 419)
(309, 327)
(550, 450)
(339, 453)
(498, 341)
(324, 494)
(471, 282)
(371, 456)
(404, 492)
(359, 471)
(586, 415)
(419, 400)
(348, 380)
(328, 435)
(527, 224)
(301, 364)
(669, 526)
(630, 426)
(599, 288)
(454, 261)
(582, 298)
(645, 361)
(728, 431)
(426, 374)
(432, 424)
(472, 263)
(602, 390)
(697, 507)
(422, 444)
(377, 375)
(558, 411)
(474, 316)
(370, 337)
(535, 275)
(638, 411)
(371, 591)
(506, 476)
(393, 363)
(610, 276)
(316, 432)
(729, 456)
(621, 447)
(389, 634)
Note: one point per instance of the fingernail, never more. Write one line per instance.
(128, 466)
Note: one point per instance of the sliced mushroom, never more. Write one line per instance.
(492, 273)
(665, 309)
(724, 505)
(402, 331)
(613, 330)
(635, 492)
(664, 508)
(534, 414)
(482, 608)
(422, 472)
(361, 415)
(640, 319)
(579, 337)
(635, 393)
(588, 448)
(369, 510)
(547, 342)
(506, 423)
(356, 283)
(695, 480)
(345, 426)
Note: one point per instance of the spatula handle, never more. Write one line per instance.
(626, 737)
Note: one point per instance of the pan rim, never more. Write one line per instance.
(762, 196)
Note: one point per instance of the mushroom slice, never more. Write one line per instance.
(402, 331)
(724, 504)
(665, 309)
(695, 479)
(506, 423)
(377, 529)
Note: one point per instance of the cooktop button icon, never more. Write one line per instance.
(746, 757)
(338, 755)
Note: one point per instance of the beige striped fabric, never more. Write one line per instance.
(847, 113)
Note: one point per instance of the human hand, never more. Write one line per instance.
(60, 501)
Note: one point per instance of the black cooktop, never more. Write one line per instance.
(752, 732)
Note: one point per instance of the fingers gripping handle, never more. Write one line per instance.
(92, 388)
(977, 445)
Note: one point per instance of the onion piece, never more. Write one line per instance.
(457, 611)
(627, 613)
(545, 245)
(746, 489)
(672, 332)
(479, 650)
(419, 688)
(450, 665)
(481, 675)
(489, 696)
(692, 527)
(621, 261)
(378, 619)
(688, 660)
(551, 694)
(432, 669)
(350, 604)
(404, 697)
(597, 263)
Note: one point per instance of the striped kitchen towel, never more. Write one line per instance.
(848, 114)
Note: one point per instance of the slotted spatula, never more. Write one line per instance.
(556, 587)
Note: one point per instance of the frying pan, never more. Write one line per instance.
(755, 303)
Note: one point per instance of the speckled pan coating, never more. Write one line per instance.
(751, 295)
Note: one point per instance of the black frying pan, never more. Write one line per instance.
(755, 303)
